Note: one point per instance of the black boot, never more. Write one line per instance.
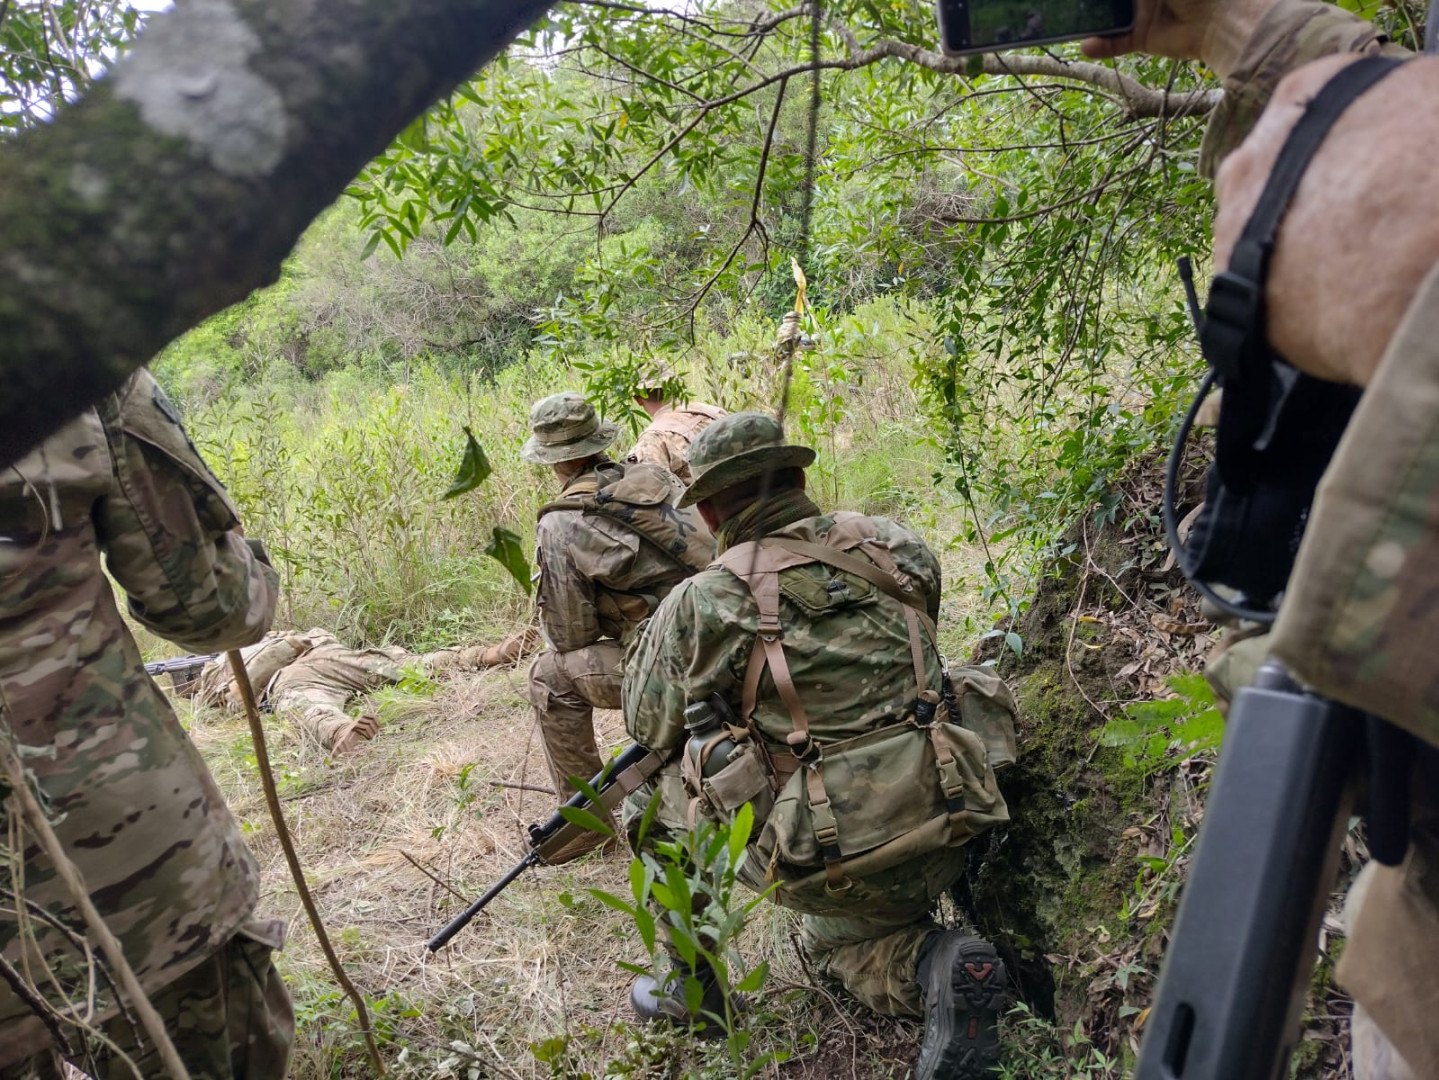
(963, 983)
(653, 999)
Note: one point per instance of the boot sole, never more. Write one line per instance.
(965, 992)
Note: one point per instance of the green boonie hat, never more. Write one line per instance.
(736, 448)
(565, 427)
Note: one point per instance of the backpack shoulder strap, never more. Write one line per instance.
(578, 496)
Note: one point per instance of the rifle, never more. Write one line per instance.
(178, 663)
(623, 774)
(1292, 768)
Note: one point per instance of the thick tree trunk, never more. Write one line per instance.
(184, 177)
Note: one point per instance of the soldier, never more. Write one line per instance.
(673, 425)
(314, 676)
(609, 550)
(132, 802)
(1352, 296)
(816, 630)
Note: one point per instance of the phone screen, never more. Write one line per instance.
(971, 26)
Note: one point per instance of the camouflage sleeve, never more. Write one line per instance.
(687, 651)
(662, 448)
(170, 532)
(913, 556)
(1290, 35)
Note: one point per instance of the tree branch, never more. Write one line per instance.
(179, 183)
(1139, 100)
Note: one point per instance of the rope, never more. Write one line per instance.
(287, 845)
(69, 875)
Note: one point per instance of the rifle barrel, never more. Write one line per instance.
(462, 920)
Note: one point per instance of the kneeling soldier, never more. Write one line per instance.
(609, 550)
(817, 630)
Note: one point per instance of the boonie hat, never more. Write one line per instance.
(736, 448)
(565, 427)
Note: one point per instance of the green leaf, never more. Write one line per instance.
(474, 470)
(505, 548)
(754, 981)
(1015, 643)
(611, 900)
(739, 834)
(586, 820)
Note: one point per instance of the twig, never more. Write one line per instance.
(522, 787)
(434, 877)
(69, 876)
(287, 845)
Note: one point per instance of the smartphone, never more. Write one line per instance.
(976, 26)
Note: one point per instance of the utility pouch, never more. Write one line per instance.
(1278, 428)
(984, 704)
(746, 778)
(884, 790)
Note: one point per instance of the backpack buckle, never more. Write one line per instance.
(805, 750)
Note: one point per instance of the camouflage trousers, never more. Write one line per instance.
(868, 938)
(565, 690)
(316, 710)
(230, 1018)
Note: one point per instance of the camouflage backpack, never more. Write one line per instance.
(641, 497)
(862, 804)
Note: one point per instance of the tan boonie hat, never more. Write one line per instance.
(736, 448)
(565, 427)
(654, 374)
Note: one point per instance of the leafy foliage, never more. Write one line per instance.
(51, 49)
(1155, 733)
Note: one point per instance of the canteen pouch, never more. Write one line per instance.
(983, 703)
(746, 778)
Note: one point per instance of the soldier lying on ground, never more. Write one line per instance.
(817, 632)
(132, 802)
(314, 676)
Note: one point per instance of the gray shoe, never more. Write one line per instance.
(654, 1000)
(963, 982)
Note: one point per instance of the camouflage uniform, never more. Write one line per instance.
(666, 442)
(850, 660)
(312, 677)
(599, 579)
(131, 799)
(1357, 623)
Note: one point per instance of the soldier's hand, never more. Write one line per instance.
(788, 329)
(361, 730)
(1210, 30)
(1361, 234)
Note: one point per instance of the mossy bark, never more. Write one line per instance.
(183, 179)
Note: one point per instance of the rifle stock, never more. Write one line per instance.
(1235, 972)
(621, 775)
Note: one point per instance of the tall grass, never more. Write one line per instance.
(343, 478)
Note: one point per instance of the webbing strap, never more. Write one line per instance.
(916, 650)
(1233, 334)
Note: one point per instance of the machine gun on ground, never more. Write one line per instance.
(183, 670)
(622, 775)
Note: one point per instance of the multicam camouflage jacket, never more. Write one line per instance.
(1290, 35)
(127, 792)
(1358, 619)
(850, 659)
(599, 578)
(666, 442)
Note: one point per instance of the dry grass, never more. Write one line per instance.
(541, 962)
